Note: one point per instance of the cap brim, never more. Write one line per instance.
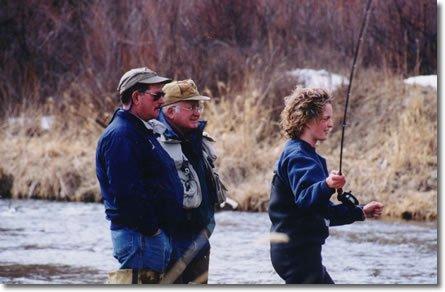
(198, 97)
(155, 80)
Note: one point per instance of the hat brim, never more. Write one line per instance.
(197, 97)
(155, 80)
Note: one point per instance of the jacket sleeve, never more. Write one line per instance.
(133, 197)
(341, 214)
(307, 182)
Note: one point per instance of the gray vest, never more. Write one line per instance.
(188, 176)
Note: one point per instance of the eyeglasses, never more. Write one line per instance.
(199, 108)
(157, 95)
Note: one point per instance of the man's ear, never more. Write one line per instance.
(171, 112)
(135, 97)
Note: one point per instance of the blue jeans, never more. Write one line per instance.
(134, 250)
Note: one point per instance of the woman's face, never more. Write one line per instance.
(319, 129)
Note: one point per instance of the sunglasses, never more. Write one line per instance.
(156, 95)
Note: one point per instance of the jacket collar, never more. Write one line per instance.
(303, 144)
(170, 133)
(134, 120)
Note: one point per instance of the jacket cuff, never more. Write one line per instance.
(359, 215)
(325, 190)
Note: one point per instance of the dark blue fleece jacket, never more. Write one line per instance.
(138, 179)
(300, 198)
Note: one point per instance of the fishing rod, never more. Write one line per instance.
(348, 198)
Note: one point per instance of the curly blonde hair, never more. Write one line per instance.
(301, 107)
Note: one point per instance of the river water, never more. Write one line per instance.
(69, 243)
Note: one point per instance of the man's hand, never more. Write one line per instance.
(335, 181)
(373, 209)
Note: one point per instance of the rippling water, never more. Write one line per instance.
(53, 242)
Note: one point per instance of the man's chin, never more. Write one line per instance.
(194, 125)
(156, 113)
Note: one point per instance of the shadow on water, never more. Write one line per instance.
(43, 274)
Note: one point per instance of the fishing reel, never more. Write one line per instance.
(347, 198)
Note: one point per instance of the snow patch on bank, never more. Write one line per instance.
(319, 78)
(45, 122)
(422, 80)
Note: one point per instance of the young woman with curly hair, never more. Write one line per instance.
(300, 205)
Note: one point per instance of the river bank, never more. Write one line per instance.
(390, 151)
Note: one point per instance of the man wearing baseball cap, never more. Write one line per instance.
(194, 157)
(139, 183)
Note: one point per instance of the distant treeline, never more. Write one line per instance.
(49, 46)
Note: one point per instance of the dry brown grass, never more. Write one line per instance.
(56, 164)
(390, 150)
(393, 152)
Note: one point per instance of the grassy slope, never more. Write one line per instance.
(390, 151)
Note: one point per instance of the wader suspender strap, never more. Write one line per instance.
(134, 276)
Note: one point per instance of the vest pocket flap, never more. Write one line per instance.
(174, 151)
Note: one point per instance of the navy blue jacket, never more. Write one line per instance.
(138, 180)
(300, 198)
(196, 219)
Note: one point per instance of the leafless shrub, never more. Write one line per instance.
(47, 46)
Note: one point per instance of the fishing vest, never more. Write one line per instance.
(187, 174)
(209, 160)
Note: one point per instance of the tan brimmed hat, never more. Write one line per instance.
(183, 90)
(139, 75)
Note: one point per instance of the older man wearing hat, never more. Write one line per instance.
(140, 186)
(191, 150)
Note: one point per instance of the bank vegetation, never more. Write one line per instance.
(63, 60)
